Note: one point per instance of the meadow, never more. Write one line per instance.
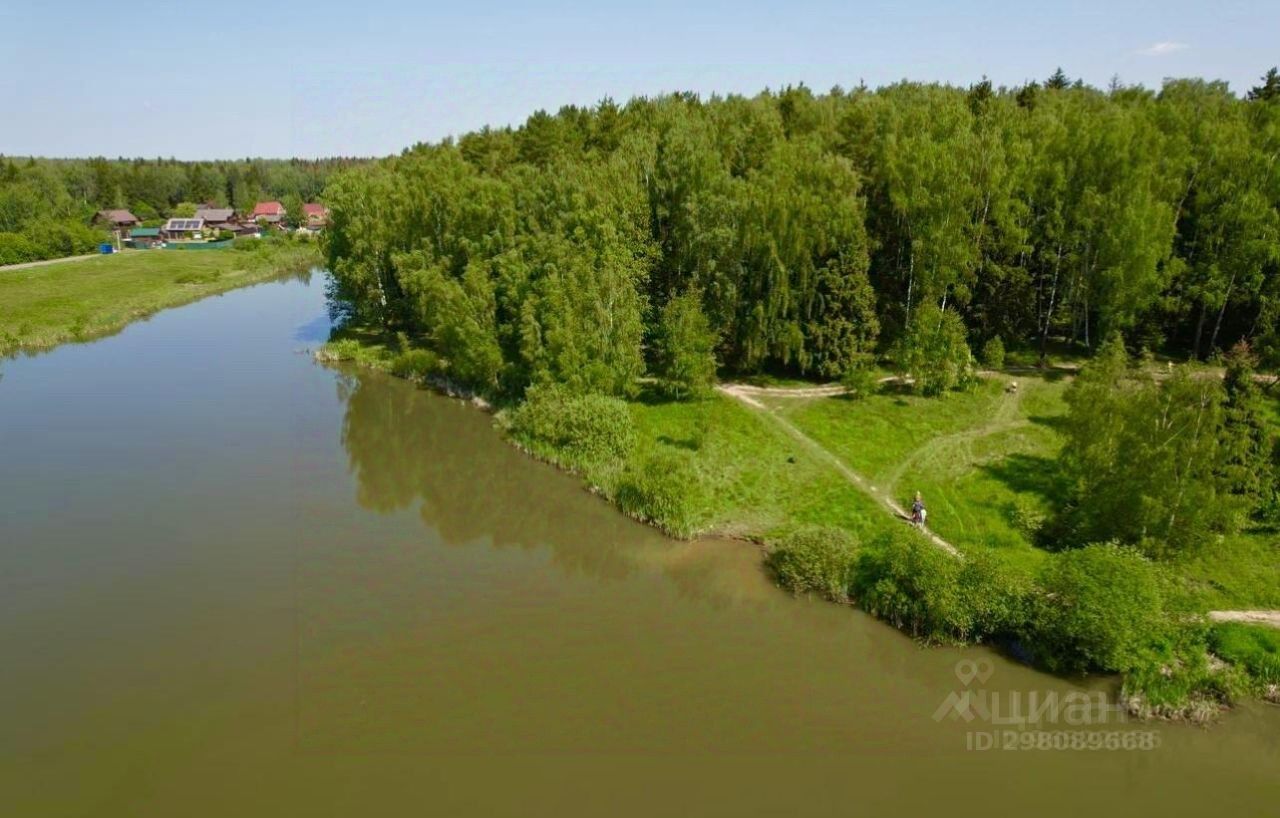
(43, 306)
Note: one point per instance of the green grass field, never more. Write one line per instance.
(985, 461)
(44, 306)
(752, 478)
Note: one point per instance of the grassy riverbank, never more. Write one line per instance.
(44, 306)
(985, 460)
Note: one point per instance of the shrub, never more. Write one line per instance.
(993, 353)
(1027, 516)
(1102, 605)
(818, 560)
(861, 379)
(997, 597)
(909, 581)
(905, 579)
(658, 491)
(415, 364)
(16, 248)
(346, 349)
(573, 429)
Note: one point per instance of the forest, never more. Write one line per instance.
(807, 231)
(46, 204)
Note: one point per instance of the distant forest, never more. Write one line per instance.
(46, 204)
(806, 231)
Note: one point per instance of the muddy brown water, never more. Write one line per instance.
(237, 583)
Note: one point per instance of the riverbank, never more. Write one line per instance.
(43, 306)
(814, 477)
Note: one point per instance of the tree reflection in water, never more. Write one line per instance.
(409, 447)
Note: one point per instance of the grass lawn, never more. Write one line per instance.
(752, 478)
(75, 300)
(985, 462)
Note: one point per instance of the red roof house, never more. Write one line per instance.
(315, 215)
(270, 212)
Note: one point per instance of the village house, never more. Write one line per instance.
(183, 229)
(271, 213)
(218, 218)
(315, 216)
(121, 220)
(144, 238)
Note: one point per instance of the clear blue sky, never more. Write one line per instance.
(210, 80)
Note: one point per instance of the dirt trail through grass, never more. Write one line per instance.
(1005, 417)
(749, 396)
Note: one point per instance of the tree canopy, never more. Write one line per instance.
(815, 228)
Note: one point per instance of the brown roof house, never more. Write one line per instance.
(218, 218)
(121, 220)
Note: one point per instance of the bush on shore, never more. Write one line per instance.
(573, 429)
(818, 560)
(922, 589)
(657, 490)
(416, 364)
(1100, 608)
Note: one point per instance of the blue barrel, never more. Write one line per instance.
(106, 248)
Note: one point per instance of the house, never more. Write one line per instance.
(315, 216)
(270, 212)
(218, 218)
(183, 229)
(121, 220)
(144, 238)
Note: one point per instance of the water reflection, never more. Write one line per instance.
(411, 448)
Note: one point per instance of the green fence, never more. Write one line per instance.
(199, 245)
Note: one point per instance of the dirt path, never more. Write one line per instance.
(26, 265)
(1004, 418)
(1270, 619)
(750, 396)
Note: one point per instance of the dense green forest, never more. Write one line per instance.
(813, 229)
(46, 204)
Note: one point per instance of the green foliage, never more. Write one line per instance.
(861, 379)
(1145, 458)
(573, 429)
(685, 348)
(1255, 648)
(344, 349)
(993, 353)
(815, 559)
(934, 352)
(1101, 606)
(658, 490)
(906, 579)
(1173, 677)
(1248, 444)
(416, 364)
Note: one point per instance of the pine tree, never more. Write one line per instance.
(1269, 89)
(1059, 81)
(1246, 440)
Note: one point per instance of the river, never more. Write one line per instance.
(234, 582)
